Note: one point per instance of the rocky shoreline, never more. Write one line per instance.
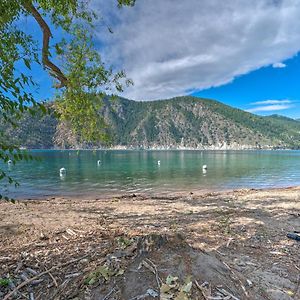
(168, 148)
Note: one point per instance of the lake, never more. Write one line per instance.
(121, 172)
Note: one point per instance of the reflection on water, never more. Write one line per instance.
(97, 172)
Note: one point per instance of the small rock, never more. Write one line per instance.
(152, 293)
(84, 261)
(249, 282)
(240, 263)
(43, 237)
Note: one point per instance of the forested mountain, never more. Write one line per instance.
(183, 122)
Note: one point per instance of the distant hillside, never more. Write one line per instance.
(33, 132)
(183, 122)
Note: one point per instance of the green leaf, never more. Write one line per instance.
(171, 280)
(120, 272)
(186, 288)
(105, 272)
(4, 282)
(165, 288)
(27, 63)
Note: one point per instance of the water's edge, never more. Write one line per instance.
(151, 172)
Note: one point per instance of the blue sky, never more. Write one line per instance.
(267, 83)
(242, 53)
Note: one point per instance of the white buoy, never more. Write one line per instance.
(9, 162)
(99, 162)
(158, 162)
(204, 167)
(62, 172)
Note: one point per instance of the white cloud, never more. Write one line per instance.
(279, 65)
(266, 108)
(170, 47)
(264, 102)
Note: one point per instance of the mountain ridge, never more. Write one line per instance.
(178, 123)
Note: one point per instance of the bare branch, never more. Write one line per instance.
(50, 66)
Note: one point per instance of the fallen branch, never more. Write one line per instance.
(226, 293)
(24, 283)
(203, 292)
(236, 278)
(53, 279)
(229, 241)
(152, 267)
(109, 294)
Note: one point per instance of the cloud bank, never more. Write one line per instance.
(264, 102)
(271, 105)
(270, 108)
(175, 47)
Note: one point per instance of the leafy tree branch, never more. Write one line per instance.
(82, 79)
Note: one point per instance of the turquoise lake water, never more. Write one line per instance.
(122, 172)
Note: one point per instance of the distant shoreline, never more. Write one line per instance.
(159, 149)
